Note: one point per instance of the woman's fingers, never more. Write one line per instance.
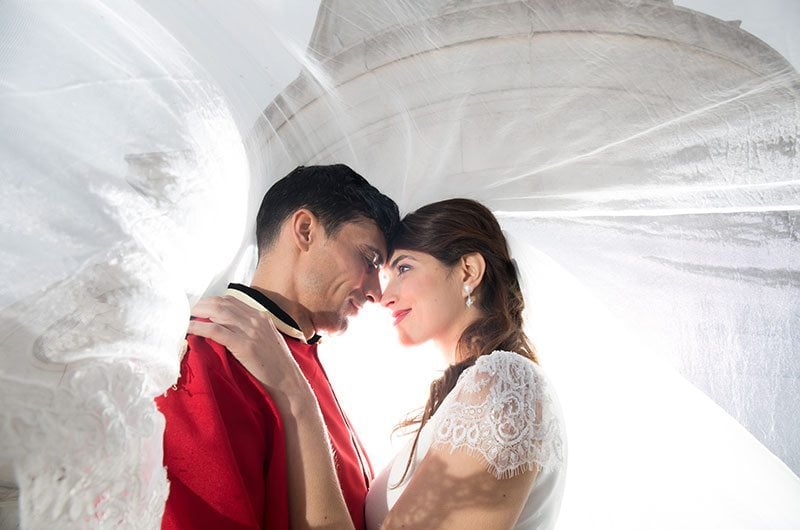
(242, 329)
(223, 309)
(216, 332)
(235, 315)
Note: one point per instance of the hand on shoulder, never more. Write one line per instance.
(249, 334)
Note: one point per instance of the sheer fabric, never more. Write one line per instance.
(123, 176)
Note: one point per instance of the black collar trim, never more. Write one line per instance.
(272, 307)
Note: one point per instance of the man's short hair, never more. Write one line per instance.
(335, 194)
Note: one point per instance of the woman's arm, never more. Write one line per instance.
(455, 490)
(315, 497)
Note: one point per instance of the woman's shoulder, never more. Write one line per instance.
(503, 359)
(502, 407)
(507, 368)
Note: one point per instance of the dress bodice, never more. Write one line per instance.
(504, 411)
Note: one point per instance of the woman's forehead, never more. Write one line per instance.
(395, 253)
(401, 254)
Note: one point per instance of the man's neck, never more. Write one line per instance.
(280, 289)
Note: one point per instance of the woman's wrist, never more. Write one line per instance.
(287, 384)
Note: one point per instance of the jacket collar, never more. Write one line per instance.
(258, 300)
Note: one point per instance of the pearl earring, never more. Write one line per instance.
(469, 295)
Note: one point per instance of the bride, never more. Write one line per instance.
(489, 450)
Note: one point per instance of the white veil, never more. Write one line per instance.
(660, 448)
(648, 151)
(123, 183)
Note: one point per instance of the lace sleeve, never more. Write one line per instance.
(502, 411)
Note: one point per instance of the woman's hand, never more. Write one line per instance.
(249, 334)
(315, 500)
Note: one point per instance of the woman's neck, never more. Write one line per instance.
(447, 343)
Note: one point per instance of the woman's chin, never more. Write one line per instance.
(406, 339)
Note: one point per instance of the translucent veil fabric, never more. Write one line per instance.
(642, 157)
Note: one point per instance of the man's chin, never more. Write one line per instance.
(338, 331)
(337, 327)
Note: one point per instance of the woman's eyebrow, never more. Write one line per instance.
(400, 257)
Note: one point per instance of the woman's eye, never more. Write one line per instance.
(403, 268)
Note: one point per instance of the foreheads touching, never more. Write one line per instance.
(323, 230)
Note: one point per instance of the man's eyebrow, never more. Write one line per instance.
(396, 260)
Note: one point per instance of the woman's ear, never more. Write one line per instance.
(472, 268)
(304, 228)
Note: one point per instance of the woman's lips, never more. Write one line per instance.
(400, 315)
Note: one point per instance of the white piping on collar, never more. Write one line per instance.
(282, 326)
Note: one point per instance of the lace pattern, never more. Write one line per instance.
(502, 410)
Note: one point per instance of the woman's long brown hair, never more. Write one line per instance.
(448, 230)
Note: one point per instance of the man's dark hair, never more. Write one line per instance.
(335, 194)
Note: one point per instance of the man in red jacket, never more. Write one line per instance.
(321, 234)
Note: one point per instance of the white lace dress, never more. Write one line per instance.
(504, 411)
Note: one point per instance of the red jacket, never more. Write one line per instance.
(224, 446)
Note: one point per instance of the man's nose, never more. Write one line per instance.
(388, 298)
(372, 289)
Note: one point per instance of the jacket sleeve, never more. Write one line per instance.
(223, 446)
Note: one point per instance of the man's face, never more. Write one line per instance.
(342, 274)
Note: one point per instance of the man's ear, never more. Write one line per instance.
(304, 228)
(472, 268)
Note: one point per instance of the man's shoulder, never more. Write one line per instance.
(208, 367)
(203, 350)
(208, 357)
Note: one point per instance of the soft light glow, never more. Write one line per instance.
(379, 382)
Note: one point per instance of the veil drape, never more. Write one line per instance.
(643, 155)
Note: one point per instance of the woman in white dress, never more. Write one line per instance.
(489, 451)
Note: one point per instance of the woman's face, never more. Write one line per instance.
(426, 299)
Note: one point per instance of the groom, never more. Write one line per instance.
(321, 234)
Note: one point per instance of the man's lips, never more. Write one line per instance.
(400, 315)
